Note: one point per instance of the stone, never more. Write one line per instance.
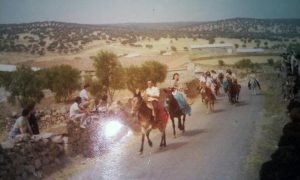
(57, 161)
(38, 174)
(14, 114)
(30, 168)
(57, 139)
(37, 163)
(7, 144)
(45, 160)
(22, 137)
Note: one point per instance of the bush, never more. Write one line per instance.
(192, 88)
(149, 46)
(221, 63)
(173, 48)
(211, 40)
(244, 64)
(162, 52)
(270, 62)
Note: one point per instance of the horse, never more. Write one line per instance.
(209, 98)
(202, 91)
(175, 111)
(217, 86)
(146, 120)
(253, 85)
(233, 91)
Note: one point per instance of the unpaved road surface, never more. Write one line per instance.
(214, 147)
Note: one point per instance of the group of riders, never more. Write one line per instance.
(210, 86)
(211, 83)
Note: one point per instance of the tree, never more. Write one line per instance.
(63, 80)
(137, 77)
(155, 71)
(109, 72)
(96, 88)
(24, 87)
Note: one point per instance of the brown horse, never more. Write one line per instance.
(208, 97)
(202, 91)
(233, 91)
(217, 85)
(147, 122)
(174, 111)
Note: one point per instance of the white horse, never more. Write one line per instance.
(253, 85)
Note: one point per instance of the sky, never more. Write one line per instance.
(134, 11)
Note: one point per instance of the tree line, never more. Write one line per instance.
(26, 86)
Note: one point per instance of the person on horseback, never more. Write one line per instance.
(152, 95)
(178, 95)
(210, 82)
(252, 76)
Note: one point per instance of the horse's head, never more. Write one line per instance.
(136, 102)
(169, 94)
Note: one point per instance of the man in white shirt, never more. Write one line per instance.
(76, 113)
(152, 95)
(83, 94)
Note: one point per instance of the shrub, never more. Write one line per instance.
(221, 63)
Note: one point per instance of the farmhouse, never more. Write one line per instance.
(213, 48)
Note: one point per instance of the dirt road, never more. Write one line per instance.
(214, 147)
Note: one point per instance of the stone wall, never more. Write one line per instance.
(26, 157)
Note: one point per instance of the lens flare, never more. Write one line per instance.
(112, 128)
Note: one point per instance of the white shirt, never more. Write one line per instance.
(208, 81)
(74, 109)
(84, 94)
(153, 91)
(202, 79)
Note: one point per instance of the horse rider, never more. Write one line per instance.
(253, 76)
(178, 95)
(209, 82)
(152, 95)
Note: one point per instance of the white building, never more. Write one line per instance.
(213, 48)
(11, 68)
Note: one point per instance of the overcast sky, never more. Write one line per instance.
(122, 11)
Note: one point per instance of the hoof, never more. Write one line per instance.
(141, 152)
(150, 143)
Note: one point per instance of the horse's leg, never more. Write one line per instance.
(183, 123)
(173, 125)
(179, 123)
(162, 139)
(142, 144)
(165, 142)
(148, 138)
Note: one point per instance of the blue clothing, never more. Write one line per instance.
(225, 85)
(13, 133)
(184, 106)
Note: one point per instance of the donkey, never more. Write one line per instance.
(146, 120)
